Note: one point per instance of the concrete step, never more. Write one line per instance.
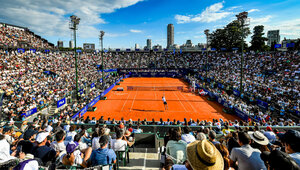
(143, 161)
(52, 110)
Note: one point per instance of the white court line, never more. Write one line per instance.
(120, 94)
(179, 101)
(188, 102)
(125, 102)
(133, 100)
(145, 159)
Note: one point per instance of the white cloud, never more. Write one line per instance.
(181, 19)
(181, 32)
(288, 28)
(234, 7)
(135, 31)
(199, 36)
(115, 34)
(210, 14)
(258, 21)
(51, 17)
(253, 10)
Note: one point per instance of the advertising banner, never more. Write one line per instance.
(92, 85)
(30, 112)
(61, 102)
(262, 104)
(236, 92)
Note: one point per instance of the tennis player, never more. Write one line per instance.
(165, 102)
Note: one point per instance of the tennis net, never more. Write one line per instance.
(154, 88)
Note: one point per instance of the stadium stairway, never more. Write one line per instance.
(52, 109)
(142, 159)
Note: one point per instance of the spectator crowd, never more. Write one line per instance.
(57, 143)
(32, 80)
(14, 36)
(37, 80)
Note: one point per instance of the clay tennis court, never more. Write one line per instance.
(143, 104)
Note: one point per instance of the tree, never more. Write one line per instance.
(258, 41)
(218, 39)
(229, 37)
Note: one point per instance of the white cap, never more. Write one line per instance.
(40, 137)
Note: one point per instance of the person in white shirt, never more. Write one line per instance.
(70, 135)
(8, 132)
(49, 128)
(165, 102)
(4, 150)
(187, 136)
(95, 140)
(59, 145)
(55, 120)
(73, 157)
(138, 130)
(118, 144)
(67, 126)
(93, 121)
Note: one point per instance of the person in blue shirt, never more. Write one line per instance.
(103, 155)
(212, 137)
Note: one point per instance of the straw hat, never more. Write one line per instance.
(127, 133)
(259, 137)
(204, 155)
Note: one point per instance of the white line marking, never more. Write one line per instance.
(145, 160)
(125, 102)
(188, 102)
(120, 94)
(179, 101)
(133, 100)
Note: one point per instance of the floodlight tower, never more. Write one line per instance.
(206, 32)
(244, 21)
(101, 41)
(74, 26)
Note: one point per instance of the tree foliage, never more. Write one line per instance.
(229, 37)
(258, 41)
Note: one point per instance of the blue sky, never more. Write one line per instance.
(127, 22)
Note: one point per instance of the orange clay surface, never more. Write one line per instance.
(148, 104)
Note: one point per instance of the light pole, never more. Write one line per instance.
(73, 26)
(206, 32)
(101, 41)
(244, 21)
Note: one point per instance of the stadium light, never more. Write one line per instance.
(206, 32)
(101, 41)
(73, 26)
(244, 21)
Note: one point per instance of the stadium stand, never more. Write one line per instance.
(34, 81)
(12, 36)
